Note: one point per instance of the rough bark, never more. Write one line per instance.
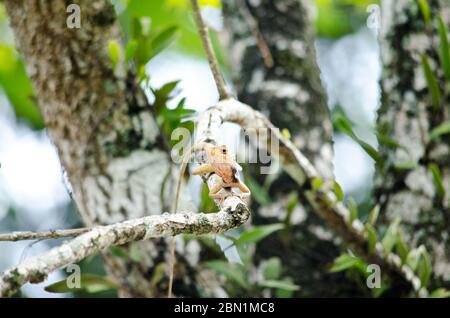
(36, 269)
(291, 94)
(322, 200)
(101, 124)
(233, 210)
(407, 116)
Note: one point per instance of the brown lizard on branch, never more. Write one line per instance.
(218, 161)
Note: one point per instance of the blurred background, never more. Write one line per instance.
(34, 194)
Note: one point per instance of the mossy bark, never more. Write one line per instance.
(291, 94)
(404, 184)
(103, 128)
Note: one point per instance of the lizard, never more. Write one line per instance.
(218, 161)
(223, 164)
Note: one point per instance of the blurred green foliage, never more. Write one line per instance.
(17, 87)
(337, 18)
(239, 277)
(166, 19)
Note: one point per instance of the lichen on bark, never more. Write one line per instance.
(404, 184)
(290, 93)
(101, 124)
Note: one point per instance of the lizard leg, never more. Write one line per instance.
(213, 192)
(203, 169)
(244, 189)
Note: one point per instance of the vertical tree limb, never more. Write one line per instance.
(291, 94)
(101, 124)
(404, 184)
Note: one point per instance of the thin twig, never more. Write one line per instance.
(208, 48)
(44, 235)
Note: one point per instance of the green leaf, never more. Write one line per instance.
(317, 183)
(118, 251)
(371, 151)
(387, 141)
(440, 130)
(207, 204)
(344, 262)
(353, 208)
(377, 292)
(163, 39)
(143, 52)
(88, 282)
(259, 193)
(290, 206)
(159, 273)
(135, 253)
(285, 132)
(258, 233)
(166, 89)
(164, 15)
(114, 52)
(279, 284)
(343, 125)
(130, 50)
(372, 237)
(401, 248)
(136, 28)
(413, 259)
(405, 165)
(230, 271)
(283, 293)
(437, 179)
(440, 293)
(425, 9)
(424, 267)
(163, 95)
(432, 82)
(390, 238)
(338, 191)
(173, 115)
(17, 87)
(271, 268)
(444, 48)
(373, 215)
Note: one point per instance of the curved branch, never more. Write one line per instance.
(36, 269)
(324, 200)
(233, 211)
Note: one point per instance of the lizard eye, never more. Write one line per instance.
(224, 151)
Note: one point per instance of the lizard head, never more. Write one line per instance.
(218, 151)
(222, 155)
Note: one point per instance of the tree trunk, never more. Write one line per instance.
(103, 127)
(404, 185)
(291, 94)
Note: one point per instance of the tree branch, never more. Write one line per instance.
(207, 46)
(44, 235)
(36, 269)
(233, 211)
(324, 200)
